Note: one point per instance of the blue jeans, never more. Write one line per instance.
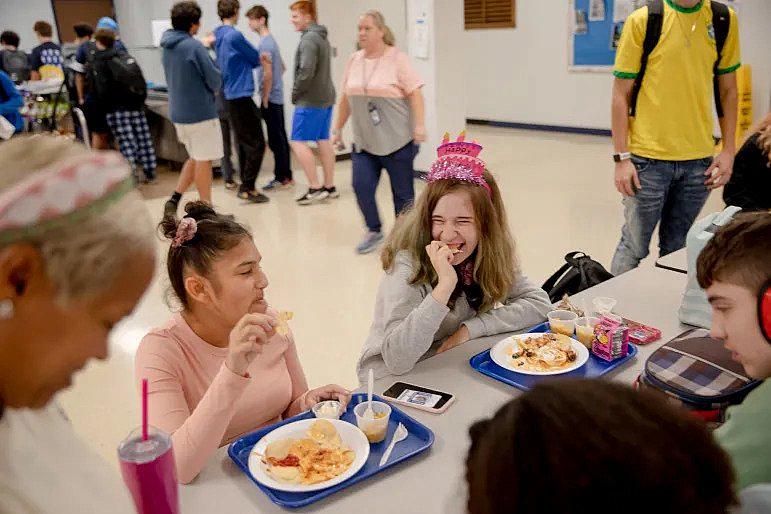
(673, 193)
(366, 176)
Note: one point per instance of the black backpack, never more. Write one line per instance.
(16, 64)
(580, 272)
(118, 80)
(721, 20)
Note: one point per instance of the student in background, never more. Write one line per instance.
(13, 61)
(10, 102)
(83, 64)
(314, 96)
(735, 269)
(193, 80)
(271, 85)
(47, 53)
(575, 446)
(663, 170)
(83, 33)
(236, 58)
(121, 89)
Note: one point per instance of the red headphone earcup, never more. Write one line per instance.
(764, 311)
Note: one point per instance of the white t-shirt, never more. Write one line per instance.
(45, 468)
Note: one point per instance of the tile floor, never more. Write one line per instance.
(559, 197)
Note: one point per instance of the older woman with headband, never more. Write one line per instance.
(76, 254)
(381, 92)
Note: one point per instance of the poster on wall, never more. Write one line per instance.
(596, 10)
(581, 26)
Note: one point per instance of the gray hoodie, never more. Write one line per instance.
(312, 72)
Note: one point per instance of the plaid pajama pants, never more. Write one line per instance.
(134, 140)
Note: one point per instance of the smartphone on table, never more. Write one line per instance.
(419, 397)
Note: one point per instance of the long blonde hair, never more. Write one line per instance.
(496, 265)
(379, 20)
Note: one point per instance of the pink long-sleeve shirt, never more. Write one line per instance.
(204, 405)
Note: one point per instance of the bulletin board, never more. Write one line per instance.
(594, 31)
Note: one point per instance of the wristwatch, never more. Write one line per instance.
(618, 157)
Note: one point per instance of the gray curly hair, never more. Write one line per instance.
(85, 257)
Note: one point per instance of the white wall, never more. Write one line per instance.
(521, 74)
(20, 15)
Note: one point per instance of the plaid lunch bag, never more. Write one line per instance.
(697, 371)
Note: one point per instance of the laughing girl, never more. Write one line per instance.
(451, 270)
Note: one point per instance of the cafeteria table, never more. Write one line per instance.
(675, 261)
(433, 482)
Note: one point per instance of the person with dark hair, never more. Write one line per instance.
(750, 183)
(10, 40)
(193, 80)
(735, 269)
(236, 58)
(83, 32)
(13, 61)
(47, 53)
(574, 446)
(271, 83)
(219, 368)
(313, 95)
(121, 89)
(84, 84)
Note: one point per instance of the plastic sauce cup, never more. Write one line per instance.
(585, 333)
(562, 322)
(374, 429)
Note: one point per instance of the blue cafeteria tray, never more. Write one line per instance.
(594, 367)
(419, 440)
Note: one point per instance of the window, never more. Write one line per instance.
(488, 14)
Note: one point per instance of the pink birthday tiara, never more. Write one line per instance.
(458, 160)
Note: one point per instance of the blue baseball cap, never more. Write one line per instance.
(107, 23)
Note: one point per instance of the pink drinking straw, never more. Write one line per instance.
(144, 409)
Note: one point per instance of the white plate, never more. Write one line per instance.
(502, 359)
(351, 436)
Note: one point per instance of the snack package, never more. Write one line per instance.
(642, 334)
(611, 339)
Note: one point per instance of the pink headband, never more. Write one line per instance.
(65, 188)
(185, 232)
(458, 161)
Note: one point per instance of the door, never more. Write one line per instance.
(69, 12)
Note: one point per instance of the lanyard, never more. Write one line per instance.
(366, 80)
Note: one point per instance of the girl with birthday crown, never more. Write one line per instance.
(451, 269)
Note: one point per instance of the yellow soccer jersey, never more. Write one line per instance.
(674, 109)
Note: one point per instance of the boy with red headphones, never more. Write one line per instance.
(735, 270)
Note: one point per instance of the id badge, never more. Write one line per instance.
(374, 114)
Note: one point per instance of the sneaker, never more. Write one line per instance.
(230, 184)
(313, 196)
(332, 192)
(369, 243)
(277, 185)
(273, 184)
(253, 197)
(170, 209)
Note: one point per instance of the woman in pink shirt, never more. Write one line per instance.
(381, 93)
(218, 369)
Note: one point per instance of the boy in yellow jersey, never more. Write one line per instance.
(663, 154)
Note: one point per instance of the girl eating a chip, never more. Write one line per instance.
(227, 363)
(451, 269)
